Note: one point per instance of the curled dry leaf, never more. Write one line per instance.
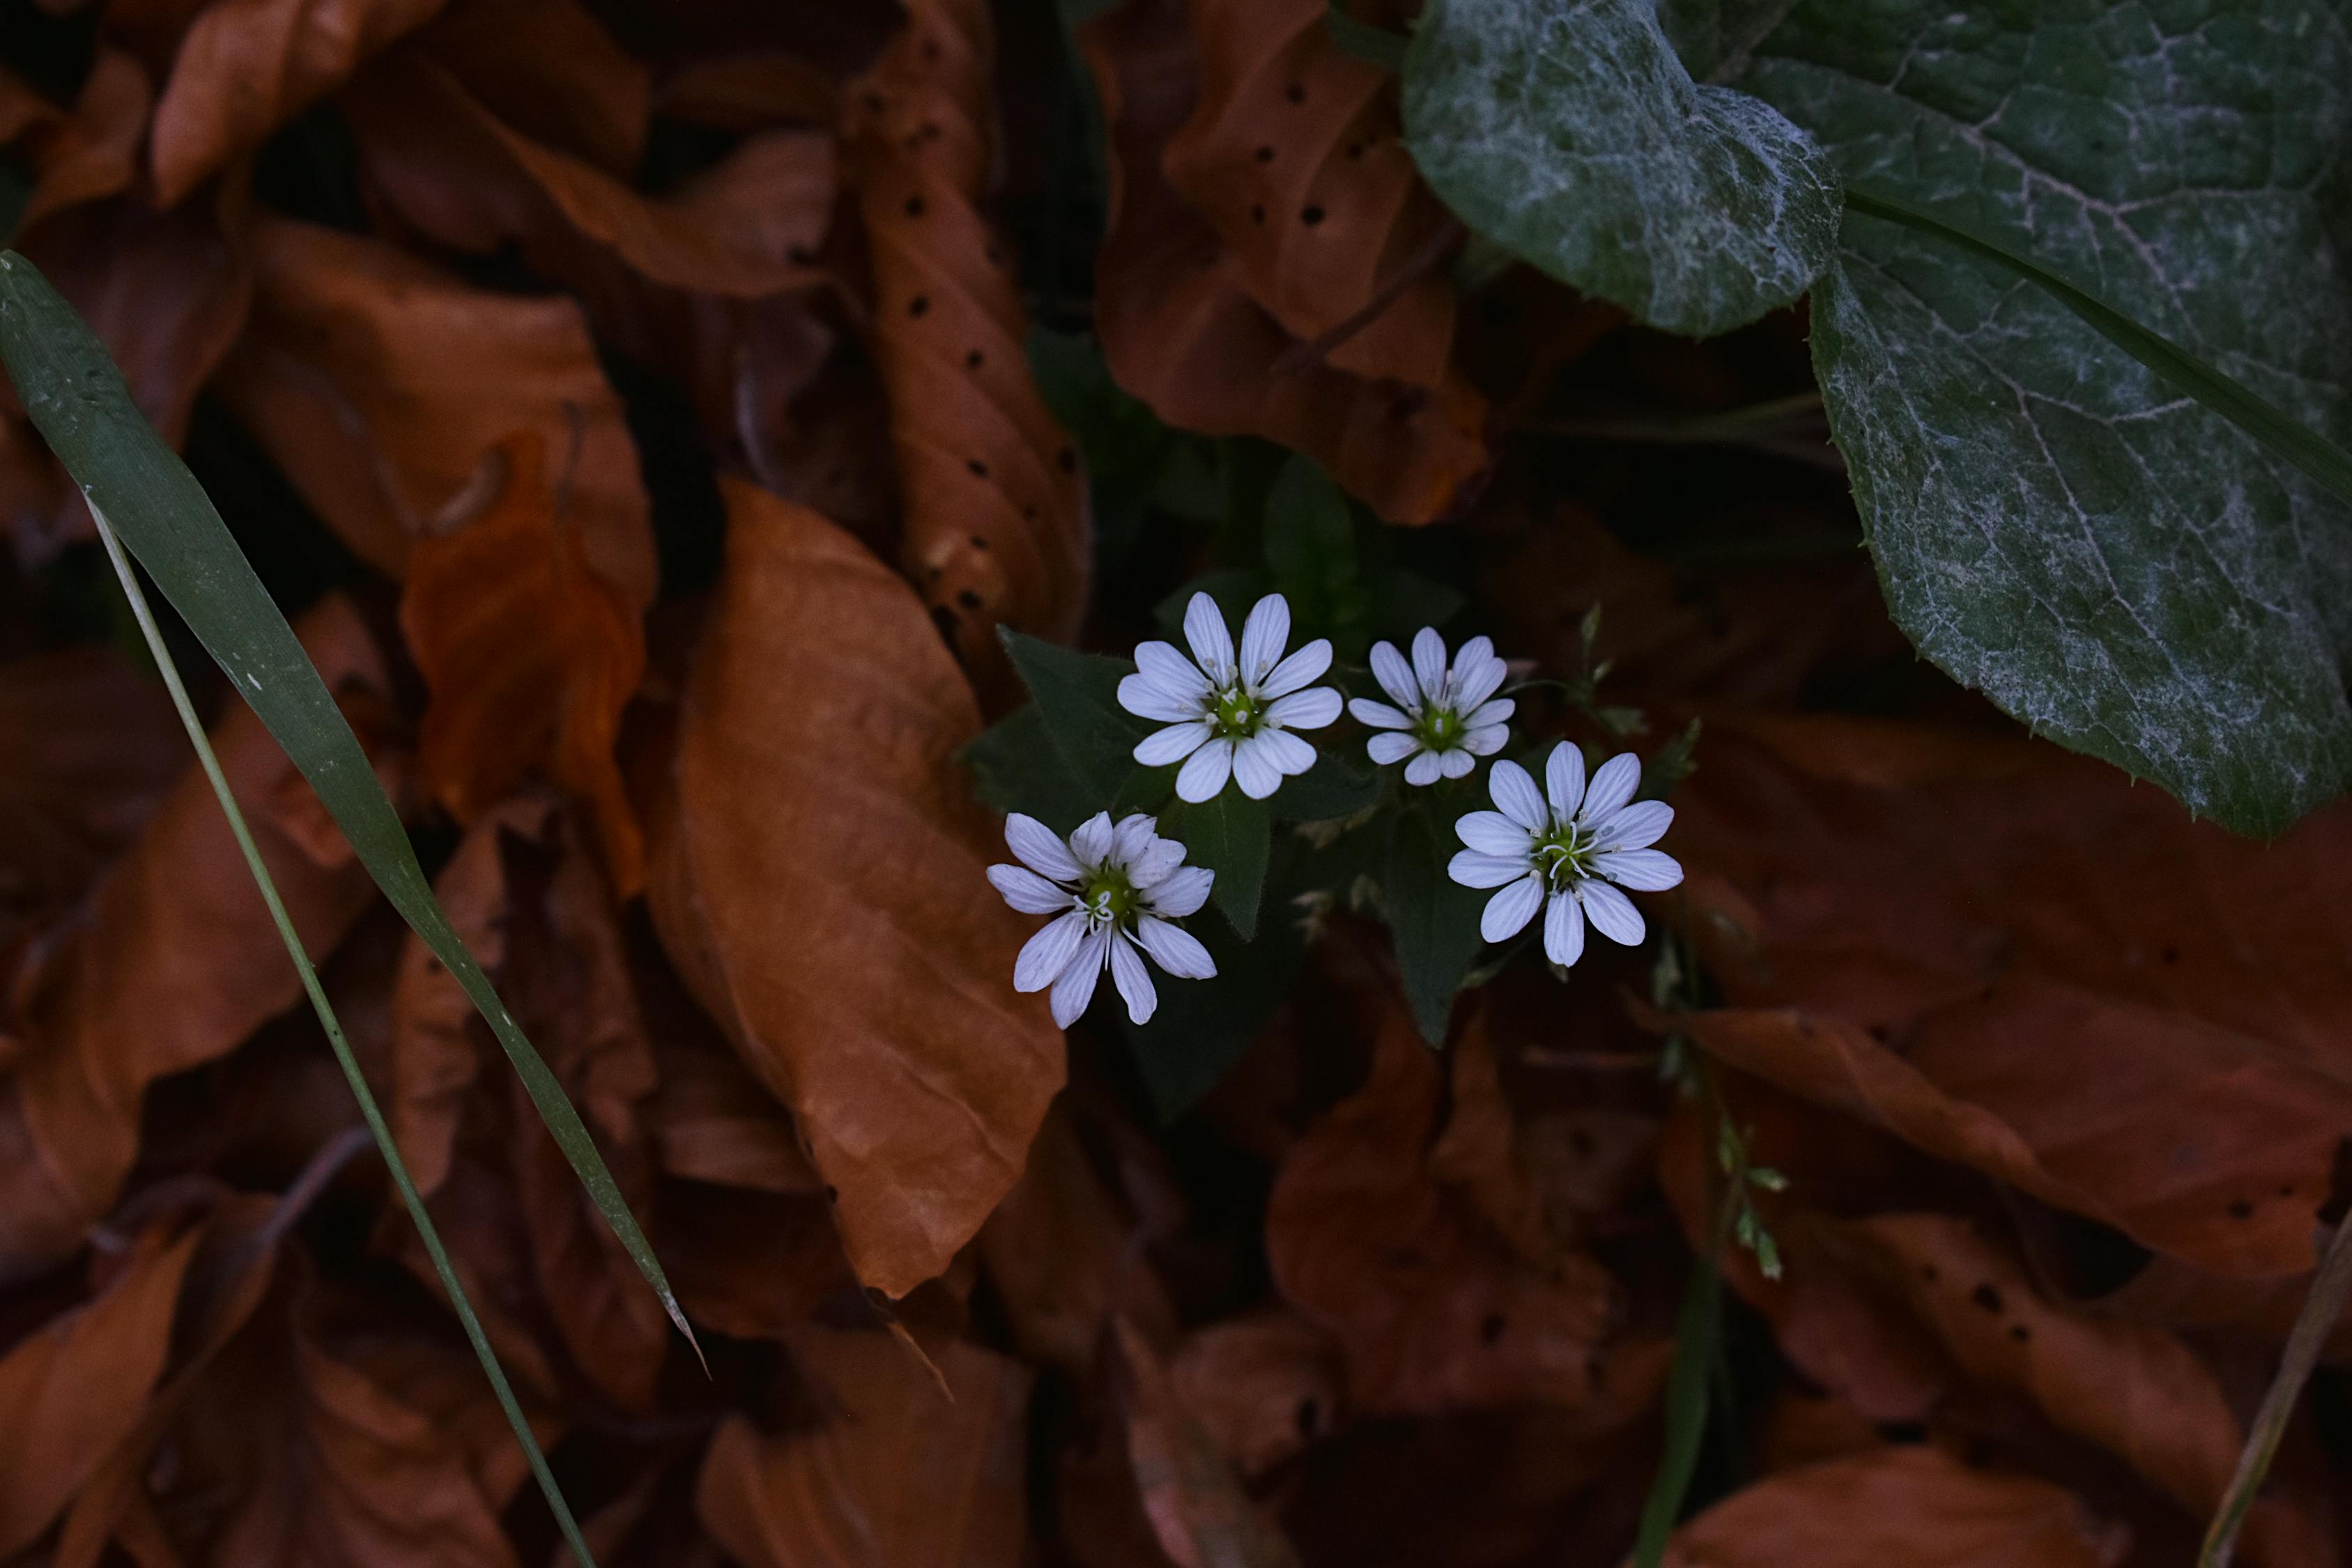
(83, 155)
(1479, 1152)
(378, 382)
(1182, 331)
(246, 67)
(176, 960)
(1263, 1385)
(899, 1474)
(2011, 958)
(1910, 1505)
(548, 69)
(819, 884)
(529, 654)
(1432, 1309)
(996, 528)
(1200, 1513)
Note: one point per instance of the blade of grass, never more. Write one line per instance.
(328, 1021)
(75, 395)
(2320, 458)
(1696, 1329)
(2321, 1310)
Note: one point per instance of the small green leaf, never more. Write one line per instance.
(1203, 1026)
(1015, 767)
(1334, 787)
(1234, 589)
(1232, 835)
(1433, 918)
(1567, 130)
(1373, 45)
(1311, 547)
(1076, 697)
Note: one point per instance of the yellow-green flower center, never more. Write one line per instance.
(1439, 728)
(1109, 898)
(1237, 715)
(1564, 856)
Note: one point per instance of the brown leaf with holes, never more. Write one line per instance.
(246, 67)
(1183, 332)
(1432, 1309)
(996, 530)
(819, 883)
(896, 1472)
(531, 654)
(176, 960)
(379, 382)
(1916, 1506)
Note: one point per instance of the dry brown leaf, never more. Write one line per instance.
(820, 885)
(1479, 1152)
(898, 1475)
(84, 155)
(530, 655)
(755, 1265)
(996, 531)
(1914, 1505)
(1181, 331)
(246, 67)
(378, 382)
(1264, 1385)
(548, 69)
(1432, 1310)
(176, 961)
(1198, 1508)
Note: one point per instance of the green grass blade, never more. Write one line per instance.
(2321, 460)
(327, 1020)
(75, 394)
(1695, 1332)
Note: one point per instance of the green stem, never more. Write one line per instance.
(335, 1028)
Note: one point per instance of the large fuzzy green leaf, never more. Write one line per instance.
(1568, 132)
(2056, 524)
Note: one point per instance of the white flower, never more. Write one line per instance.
(1228, 717)
(1566, 852)
(1115, 889)
(1443, 719)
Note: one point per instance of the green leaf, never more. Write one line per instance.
(1203, 1026)
(77, 397)
(1076, 697)
(1374, 45)
(1433, 918)
(1334, 787)
(1232, 835)
(1311, 547)
(2055, 524)
(1234, 589)
(1697, 1330)
(1015, 767)
(1569, 131)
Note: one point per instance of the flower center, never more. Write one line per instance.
(1439, 729)
(1236, 715)
(1109, 898)
(1564, 856)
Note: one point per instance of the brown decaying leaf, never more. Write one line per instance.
(529, 654)
(819, 887)
(176, 960)
(246, 67)
(1432, 1309)
(1263, 1385)
(1914, 1506)
(897, 1475)
(1182, 332)
(1198, 1508)
(84, 155)
(995, 529)
(2012, 959)
(548, 69)
(378, 382)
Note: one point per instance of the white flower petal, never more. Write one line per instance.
(1564, 780)
(1458, 764)
(1612, 786)
(1492, 833)
(1395, 677)
(1263, 636)
(1091, 843)
(1076, 988)
(1486, 741)
(1309, 710)
(1478, 672)
(1134, 982)
(1308, 664)
(1182, 892)
(1643, 870)
(1151, 868)
(1508, 912)
(1040, 848)
(1175, 949)
(1205, 772)
(1027, 892)
(1164, 665)
(1514, 792)
(1563, 930)
(1488, 713)
(1637, 826)
(1288, 754)
(1424, 769)
(1173, 745)
(1474, 870)
(1253, 767)
(1045, 955)
(1429, 664)
(1389, 746)
(1211, 643)
(1612, 913)
(1378, 715)
(1145, 699)
(1131, 837)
